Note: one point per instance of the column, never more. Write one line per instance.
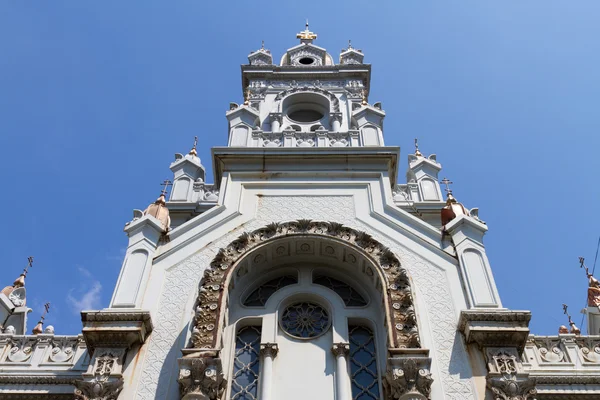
(268, 351)
(336, 121)
(341, 351)
(275, 119)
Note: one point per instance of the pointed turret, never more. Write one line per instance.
(159, 209)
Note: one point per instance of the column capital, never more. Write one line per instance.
(340, 349)
(269, 350)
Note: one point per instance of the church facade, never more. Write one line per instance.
(306, 271)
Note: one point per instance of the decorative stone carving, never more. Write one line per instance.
(18, 297)
(589, 348)
(21, 349)
(98, 388)
(211, 303)
(305, 139)
(269, 350)
(408, 378)
(510, 387)
(201, 378)
(63, 349)
(104, 379)
(549, 349)
(338, 139)
(506, 378)
(340, 349)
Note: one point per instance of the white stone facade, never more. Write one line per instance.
(307, 216)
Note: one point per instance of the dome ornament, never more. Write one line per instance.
(418, 153)
(306, 36)
(159, 209)
(20, 281)
(39, 328)
(574, 329)
(453, 208)
(193, 151)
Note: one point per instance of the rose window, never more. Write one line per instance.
(305, 320)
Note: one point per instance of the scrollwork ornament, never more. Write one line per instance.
(410, 377)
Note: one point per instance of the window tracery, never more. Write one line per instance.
(363, 363)
(244, 383)
(349, 295)
(259, 297)
(305, 320)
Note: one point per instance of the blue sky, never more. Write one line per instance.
(96, 97)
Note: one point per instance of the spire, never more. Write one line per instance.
(306, 36)
(417, 152)
(20, 281)
(193, 151)
(159, 209)
(574, 329)
(39, 328)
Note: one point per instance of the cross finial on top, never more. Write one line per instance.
(46, 310)
(166, 183)
(349, 44)
(582, 265)
(29, 265)
(447, 182)
(306, 36)
(262, 45)
(417, 152)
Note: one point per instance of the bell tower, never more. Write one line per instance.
(307, 100)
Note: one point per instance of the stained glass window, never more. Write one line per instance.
(350, 296)
(244, 385)
(305, 320)
(363, 364)
(259, 297)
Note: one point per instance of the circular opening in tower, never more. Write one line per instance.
(305, 115)
(306, 60)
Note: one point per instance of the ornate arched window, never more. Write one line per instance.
(303, 302)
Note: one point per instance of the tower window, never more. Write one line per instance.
(363, 364)
(348, 294)
(306, 60)
(305, 320)
(305, 115)
(244, 385)
(259, 297)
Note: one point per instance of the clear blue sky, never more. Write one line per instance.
(96, 97)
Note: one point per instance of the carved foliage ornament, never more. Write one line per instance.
(201, 378)
(410, 378)
(106, 382)
(401, 316)
(509, 387)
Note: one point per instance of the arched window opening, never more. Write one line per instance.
(246, 364)
(260, 295)
(363, 363)
(349, 295)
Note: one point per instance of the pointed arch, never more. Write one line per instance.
(396, 292)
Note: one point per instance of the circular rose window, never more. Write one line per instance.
(305, 320)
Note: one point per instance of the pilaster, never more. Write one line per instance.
(144, 236)
(501, 336)
(467, 236)
(109, 336)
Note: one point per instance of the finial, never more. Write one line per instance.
(593, 296)
(193, 151)
(574, 329)
(247, 97)
(20, 281)
(449, 197)
(417, 152)
(364, 97)
(582, 265)
(39, 328)
(262, 44)
(349, 44)
(306, 36)
(166, 183)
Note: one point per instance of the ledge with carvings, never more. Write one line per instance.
(41, 366)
